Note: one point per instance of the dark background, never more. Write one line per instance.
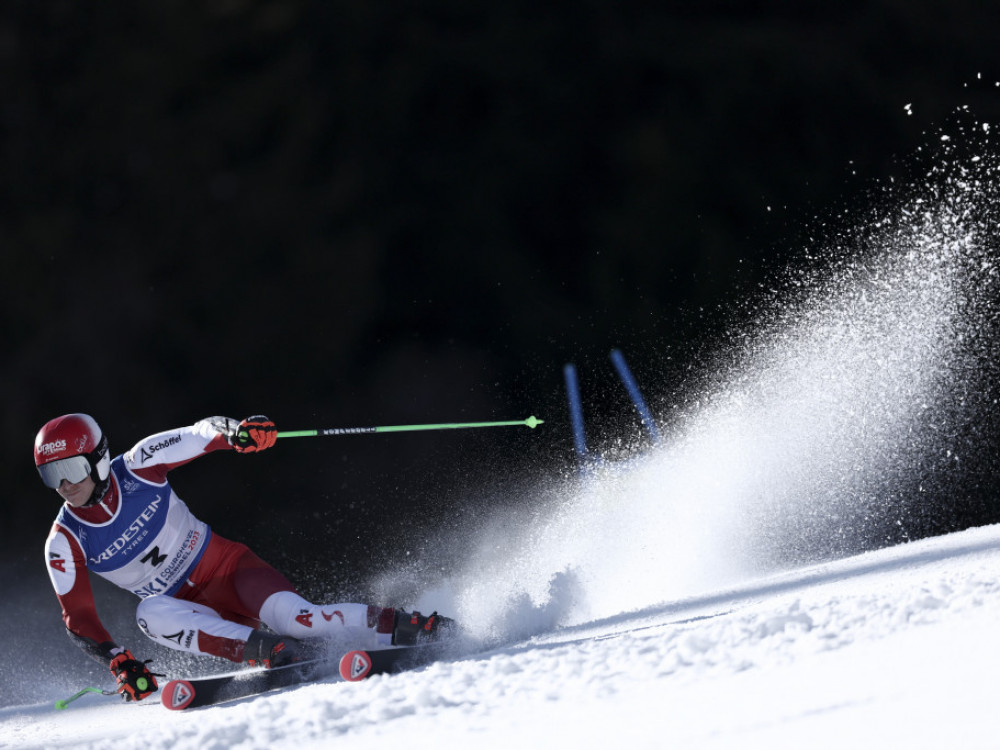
(345, 213)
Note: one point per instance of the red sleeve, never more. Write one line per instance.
(67, 568)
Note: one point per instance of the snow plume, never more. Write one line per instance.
(835, 425)
(839, 413)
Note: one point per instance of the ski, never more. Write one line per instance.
(359, 665)
(178, 695)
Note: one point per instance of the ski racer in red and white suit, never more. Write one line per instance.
(200, 593)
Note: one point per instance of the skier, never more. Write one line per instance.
(200, 593)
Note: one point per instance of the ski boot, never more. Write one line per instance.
(413, 629)
(269, 650)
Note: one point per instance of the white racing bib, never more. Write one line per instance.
(149, 546)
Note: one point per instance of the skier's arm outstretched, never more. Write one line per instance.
(154, 456)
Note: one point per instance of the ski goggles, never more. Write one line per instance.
(73, 469)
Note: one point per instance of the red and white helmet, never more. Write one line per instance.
(72, 447)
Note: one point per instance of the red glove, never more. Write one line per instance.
(254, 434)
(135, 681)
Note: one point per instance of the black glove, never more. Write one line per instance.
(254, 434)
(135, 681)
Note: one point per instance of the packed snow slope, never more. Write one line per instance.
(893, 648)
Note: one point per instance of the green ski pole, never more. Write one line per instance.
(531, 422)
(61, 704)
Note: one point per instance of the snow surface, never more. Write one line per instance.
(893, 648)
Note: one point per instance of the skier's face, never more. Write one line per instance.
(76, 494)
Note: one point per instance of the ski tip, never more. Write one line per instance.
(177, 695)
(355, 665)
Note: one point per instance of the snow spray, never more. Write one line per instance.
(832, 424)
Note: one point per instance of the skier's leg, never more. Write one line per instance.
(191, 627)
(362, 625)
(287, 613)
(233, 581)
(273, 600)
(241, 587)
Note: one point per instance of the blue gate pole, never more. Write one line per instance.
(575, 410)
(633, 391)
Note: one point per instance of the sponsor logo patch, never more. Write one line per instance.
(148, 450)
(132, 535)
(55, 446)
(355, 666)
(178, 695)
